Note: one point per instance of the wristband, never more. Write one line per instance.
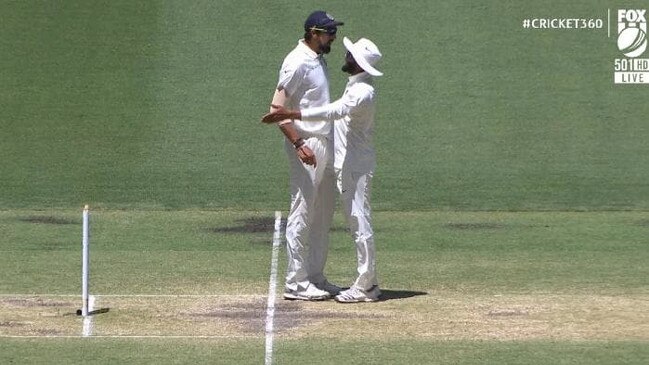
(298, 143)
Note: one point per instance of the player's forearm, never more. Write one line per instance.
(291, 134)
(286, 126)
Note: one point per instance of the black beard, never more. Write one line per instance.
(350, 68)
(325, 48)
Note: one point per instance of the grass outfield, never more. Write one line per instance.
(105, 351)
(157, 104)
(213, 252)
(510, 200)
(235, 352)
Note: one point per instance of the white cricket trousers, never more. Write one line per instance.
(356, 190)
(313, 194)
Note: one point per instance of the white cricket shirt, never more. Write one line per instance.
(355, 109)
(305, 78)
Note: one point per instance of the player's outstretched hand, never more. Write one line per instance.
(279, 114)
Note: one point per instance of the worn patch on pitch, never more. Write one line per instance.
(250, 315)
(37, 316)
(521, 317)
(34, 302)
(503, 312)
(250, 225)
(48, 219)
(46, 332)
(257, 225)
(475, 226)
(441, 315)
(12, 324)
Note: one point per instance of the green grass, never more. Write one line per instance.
(228, 352)
(134, 251)
(475, 353)
(511, 174)
(487, 251)
(107, 351)
(203, 252)
(156, 104)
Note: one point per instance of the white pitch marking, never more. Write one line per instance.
(38, 295)
(181, 295)
(132, 336)
(88, 323)
(270, 307)
(140, 295)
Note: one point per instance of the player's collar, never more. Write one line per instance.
(306, 49)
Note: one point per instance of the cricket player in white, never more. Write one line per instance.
(303, 82)
(353, 114)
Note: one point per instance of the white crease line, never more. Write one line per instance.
(132, 336)
(270, 307)
(141, 295)
(181, 295)
(39, 295)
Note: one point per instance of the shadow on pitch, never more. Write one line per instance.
(399, 294)
(99, 311)
(95, 312)
(258, 225)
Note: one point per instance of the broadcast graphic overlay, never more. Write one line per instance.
(630, 36)
(632, 43)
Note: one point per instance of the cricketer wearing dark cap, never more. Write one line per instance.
(321, 21)
(303, 82)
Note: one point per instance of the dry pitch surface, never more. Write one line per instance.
(435, 316)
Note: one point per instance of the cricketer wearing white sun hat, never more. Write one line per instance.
(354, 157)
(366, 54)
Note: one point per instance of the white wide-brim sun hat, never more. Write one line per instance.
(365, 53)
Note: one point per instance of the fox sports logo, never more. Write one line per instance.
(631, 31)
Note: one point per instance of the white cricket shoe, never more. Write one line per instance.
(310, 294)
(355, 295)
(330, 288)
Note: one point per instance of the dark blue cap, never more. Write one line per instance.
(320, 20)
